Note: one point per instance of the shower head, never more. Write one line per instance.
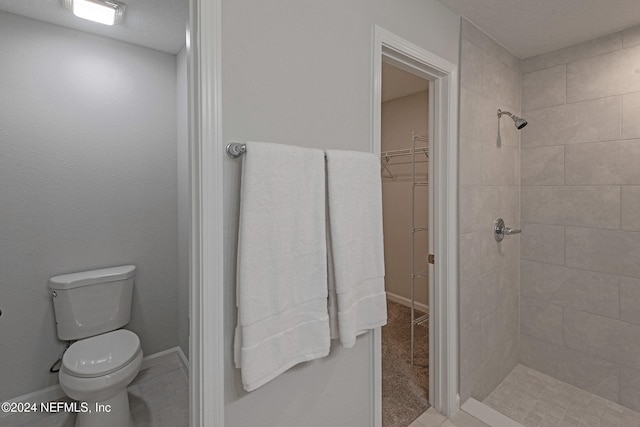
(518, 121)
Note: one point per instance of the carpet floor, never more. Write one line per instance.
(405, 388)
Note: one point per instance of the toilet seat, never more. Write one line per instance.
(102, 354)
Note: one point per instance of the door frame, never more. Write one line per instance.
(206, 250)
(443, 212)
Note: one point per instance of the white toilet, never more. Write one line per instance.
(90, 306)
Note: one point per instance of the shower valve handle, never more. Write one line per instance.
(500, 230)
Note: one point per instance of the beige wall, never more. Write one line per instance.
(400, 117)
(580, 297)
(489, 188)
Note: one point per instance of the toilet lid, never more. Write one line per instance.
(102, 354)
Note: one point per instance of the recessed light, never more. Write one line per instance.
(106, 12)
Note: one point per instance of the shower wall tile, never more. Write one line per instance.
(499, 165)
(477, 116)
(596, 293)
(488, 46)
(480, 253)
(480, 297)
(544, 88)
(607, 251)
(609, 339)
(543, 166)
(579, 369)
(543, 243)
(489, 188)
(587, 49)
(471, 350)
(541, 319)
(630, 201)
(597, 207)
(593, 190)
(630, 114)
(630, 388)
(589, 121)
(603, 163)
(605, 75)
(631, 37)
(630, 300)
(502, 82)
(472, 74)
(470, 161)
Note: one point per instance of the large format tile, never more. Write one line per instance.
(470, 161)
(571, 205)
(499, 165)
(543, 243)
(478, 298)
(610, 74)
(501, 82)
(478, 116)
(630, 205)
(630, 389)
(477, 206)
(488, 45)
(589, 121)
(630, 300)
(544, 88)
(607, 251)
(581, 370)
(630, 114)
(603, 163)
(576, 52)
(480, 253)
(472, 353)
(631, 37)
(609, 339)
(472, 67)
(543, 165)
(589, 291)
(541, 319)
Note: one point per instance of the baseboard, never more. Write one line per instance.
(488, 415)
(407, 302)
(54, 392)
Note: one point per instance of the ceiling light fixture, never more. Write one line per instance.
(106, 12)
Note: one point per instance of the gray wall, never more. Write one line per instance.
(580, 297)
(400, 117)
(489, 188)
(300, 73)
(88, 173)
(184, 203)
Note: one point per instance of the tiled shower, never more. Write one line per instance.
(564, 299)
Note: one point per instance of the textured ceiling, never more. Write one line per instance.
(156, 24)
(532, 27)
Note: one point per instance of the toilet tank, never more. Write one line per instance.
(92, 302)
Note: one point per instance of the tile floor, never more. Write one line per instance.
(538, 400)
(158, 397)
(433, 418)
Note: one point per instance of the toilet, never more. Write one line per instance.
(90, 308)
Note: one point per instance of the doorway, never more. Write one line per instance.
(405, 192)
(443, 213)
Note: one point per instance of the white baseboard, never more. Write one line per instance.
(488, 415)
(407, 302)
(54, 392)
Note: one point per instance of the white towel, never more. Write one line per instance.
(282, 269)
(356, 252)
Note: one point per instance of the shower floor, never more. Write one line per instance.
(535, 399)
(405, 388)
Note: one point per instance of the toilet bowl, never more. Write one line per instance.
(97, 371)
(90, 308)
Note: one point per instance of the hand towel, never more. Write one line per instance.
(282, 264)
(356, 252)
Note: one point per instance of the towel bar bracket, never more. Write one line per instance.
(235, 149)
